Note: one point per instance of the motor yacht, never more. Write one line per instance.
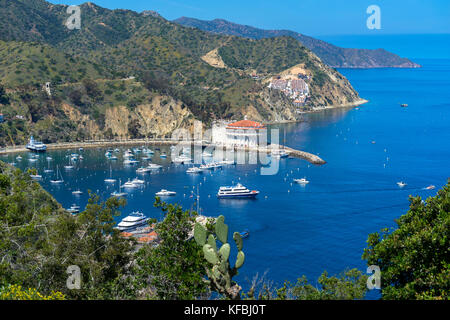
(238, 191)
(133, 221)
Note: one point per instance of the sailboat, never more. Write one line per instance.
(36, 176)
(48, 170)
(56, 181)
(110, 179)
(120, 193)
(69, 166)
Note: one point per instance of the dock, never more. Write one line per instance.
(312, 158)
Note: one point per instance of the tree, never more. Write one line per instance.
(175, 269)
(349, 285)
(414, 259)
(4, 99)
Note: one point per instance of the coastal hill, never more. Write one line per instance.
(131, 75)
(332, 55)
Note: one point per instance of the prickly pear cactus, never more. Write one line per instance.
(219, 272)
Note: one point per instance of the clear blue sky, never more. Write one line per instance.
(311, 17)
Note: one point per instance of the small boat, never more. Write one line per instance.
(110, 179)
(430, 187)
(133, 221)
(238, 191)
(165, 193)
(77, 192)
(143, 170)
(182, 159)
(301, 181)
(138, 181)
(404, 105)
(18, 158)
(81, 149)
(36, 176)
(163, 155)
(74, 209)
(130, 161)
(227, 162)
(119, 194)
(56, 181)
(244, 234)
(129, 185)
(49, 158)
(207, 154)
(195, 170)
(401, 184)
(154, 166)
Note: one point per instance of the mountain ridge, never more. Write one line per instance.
(330, 54)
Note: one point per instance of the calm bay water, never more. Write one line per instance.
(324, 225)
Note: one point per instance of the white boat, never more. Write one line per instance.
(119, 193)
(36, 176)
(74, 209)
(49, 158)
(163, 155)
(133, 221)
(56, 181)
(129, 185)
(154, 166)
(77, 192)
(227, 162)
(301, 181)
(238, 191)
(195, 170)
(165, 193)
(212, 166)
(143, 170)
(18, 158)
(130, 161)
(207, 154)
(37, 146)
(138, 181)
(182, 159)
(128, 154)
(401, 184)
(110, 179)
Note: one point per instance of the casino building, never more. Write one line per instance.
(244, 133)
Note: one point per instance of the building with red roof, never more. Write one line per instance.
(244, 133)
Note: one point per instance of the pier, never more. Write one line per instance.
(312, 158)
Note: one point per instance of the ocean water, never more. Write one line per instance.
(303, 230)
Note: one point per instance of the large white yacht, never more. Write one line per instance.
(238, 191)
(34, 145)
(133, 221)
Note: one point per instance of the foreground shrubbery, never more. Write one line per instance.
(16, 292)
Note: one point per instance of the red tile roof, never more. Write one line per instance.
(247, 124)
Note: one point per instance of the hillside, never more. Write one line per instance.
(331, 55)
(128, 74)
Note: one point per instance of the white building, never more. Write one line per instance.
(244, 133)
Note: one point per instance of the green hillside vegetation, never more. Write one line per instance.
(165, 59)
(32, 64)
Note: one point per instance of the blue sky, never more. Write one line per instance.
(311, 17)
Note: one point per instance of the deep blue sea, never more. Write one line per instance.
(324, 225)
